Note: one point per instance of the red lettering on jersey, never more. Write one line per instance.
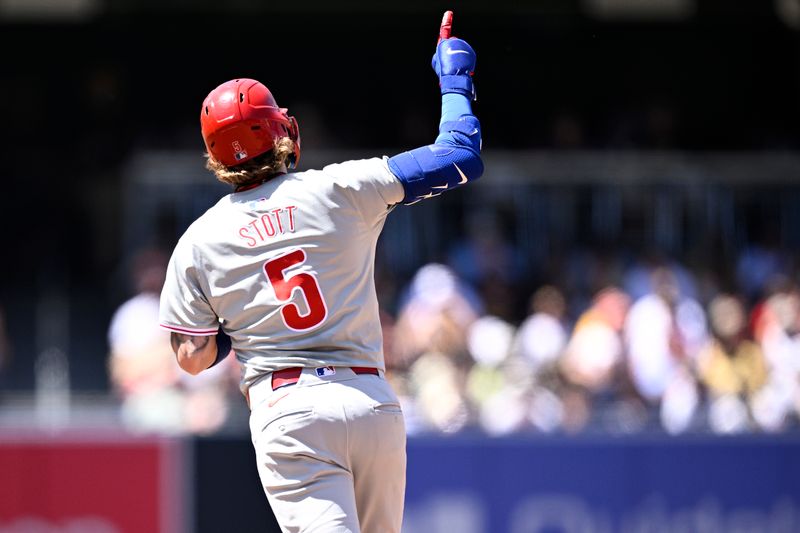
(269, 229)
(242, 232)
(278, 218)
(272, 226)
(253, 223)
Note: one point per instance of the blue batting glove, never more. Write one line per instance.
(454, 64)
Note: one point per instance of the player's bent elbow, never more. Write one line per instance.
(191, 364)
(196, 354)
(431, 170)
(476, 166)
(468, 164)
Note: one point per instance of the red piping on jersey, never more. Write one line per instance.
(198, 332)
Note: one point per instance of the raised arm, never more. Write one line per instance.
(455, 156)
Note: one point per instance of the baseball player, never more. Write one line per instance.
(280, 272)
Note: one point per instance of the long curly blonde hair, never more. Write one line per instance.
(256, 170)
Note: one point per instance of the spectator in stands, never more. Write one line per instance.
(594, 354)
(429, 340)
(593, 365)
(542, 336)
(144, 375)
(434, 312)
(777, 330)
(521, 397)
(638, 279)
(731, 366)
(499, 401)
(663, 332)
(142, 370)
(489, 262)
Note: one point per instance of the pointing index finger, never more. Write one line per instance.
(446, 27)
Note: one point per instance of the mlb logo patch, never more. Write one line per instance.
(238, 152)
(326, 371)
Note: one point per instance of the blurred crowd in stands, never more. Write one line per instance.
(648, 350)
(651, 348)
(645, 354)
(154, 394)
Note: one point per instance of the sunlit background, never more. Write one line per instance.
(602, 334)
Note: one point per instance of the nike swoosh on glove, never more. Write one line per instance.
(454, 64)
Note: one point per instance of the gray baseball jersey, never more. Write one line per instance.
(287, 269)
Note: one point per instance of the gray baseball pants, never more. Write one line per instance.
(331, 452)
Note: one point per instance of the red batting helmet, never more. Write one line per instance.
(240, 120)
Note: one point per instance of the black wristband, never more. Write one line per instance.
(223, 347)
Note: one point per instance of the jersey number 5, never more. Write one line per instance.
(285, 286)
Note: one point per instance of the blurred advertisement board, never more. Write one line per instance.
(91, 485)
(603, 485)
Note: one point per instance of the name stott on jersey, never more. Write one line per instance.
(287, 269)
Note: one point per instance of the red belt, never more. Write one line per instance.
(289, 376)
